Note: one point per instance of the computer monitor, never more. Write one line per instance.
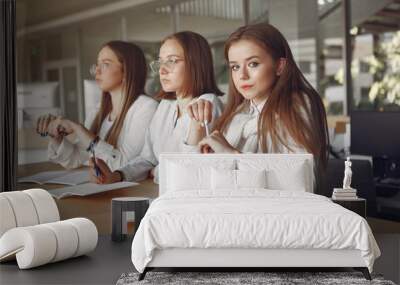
(375, 133)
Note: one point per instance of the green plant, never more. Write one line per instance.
(385, 66)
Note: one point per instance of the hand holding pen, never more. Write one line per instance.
(207, 128)
(105, 175)
(201, 112)
(94, 172)
(96, 168)
(93, 158)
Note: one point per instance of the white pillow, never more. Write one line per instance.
(188, 177)
(224, 179)
(293, 179)
(251, 178)
(184, 174)
(291, 175)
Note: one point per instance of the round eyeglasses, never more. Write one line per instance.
(169, 64)
(102, 66)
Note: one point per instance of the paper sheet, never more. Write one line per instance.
(42, 177)
(88, 189)
(65, 177)
(72, 178)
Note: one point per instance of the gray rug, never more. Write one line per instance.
(273, 278)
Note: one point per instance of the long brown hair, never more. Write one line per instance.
(199, 75)
(293, 106)
(134, 70)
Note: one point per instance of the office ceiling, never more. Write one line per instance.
(36, 12)
(384, 20)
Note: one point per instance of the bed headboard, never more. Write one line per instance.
(285, 169)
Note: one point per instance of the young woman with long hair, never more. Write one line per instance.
(271, 106)
(117, 128)
(186, 73)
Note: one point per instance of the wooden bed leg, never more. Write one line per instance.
(143, 274)
(365, 272)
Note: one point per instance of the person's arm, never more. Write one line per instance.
(216, 143)
(138, 169)
(132, 136)
(206, 108)
(135, 170)
(70, 151)
(67, 154)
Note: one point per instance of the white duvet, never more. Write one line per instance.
(250, 219)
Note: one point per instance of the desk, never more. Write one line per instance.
(94, 207)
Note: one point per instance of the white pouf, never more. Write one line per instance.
(40, 244)
(7, 220)
(31, 230)
(23, 208)
(26, 208)
(45, 206)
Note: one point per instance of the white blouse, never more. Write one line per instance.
(72, 154)
(241, 132)
(167, 133)
(105, 127)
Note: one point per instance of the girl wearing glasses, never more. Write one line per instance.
(116, 130)
(186, 74)
(271, 106)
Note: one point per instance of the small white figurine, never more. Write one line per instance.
(347, 174)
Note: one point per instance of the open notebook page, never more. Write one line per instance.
(42, 177)
(88, 189)
(72, 178)
(64, 177)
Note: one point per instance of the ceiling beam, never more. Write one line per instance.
(116, 6)
(389, 13)
(378, 27)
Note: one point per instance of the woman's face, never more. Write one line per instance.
(253, 70)
(109, 74)
(172, 66)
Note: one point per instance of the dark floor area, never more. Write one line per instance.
(102, 266)
(110, 259)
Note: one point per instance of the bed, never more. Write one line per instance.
(246, 211)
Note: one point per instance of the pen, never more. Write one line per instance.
(206, 126)
(96, 168)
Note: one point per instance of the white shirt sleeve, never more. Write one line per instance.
(138, 168)
(69, 154)
(132, 136)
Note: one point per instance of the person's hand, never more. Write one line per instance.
(42, 124)
(66, 126)
(200, 111)
(152, 173)
(217, 143)
(104, 174)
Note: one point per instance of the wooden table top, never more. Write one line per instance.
(94, 207)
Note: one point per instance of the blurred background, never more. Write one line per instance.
(57, 41)
(347, 49)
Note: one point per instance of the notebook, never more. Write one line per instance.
(88, 189)
(63, 177)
